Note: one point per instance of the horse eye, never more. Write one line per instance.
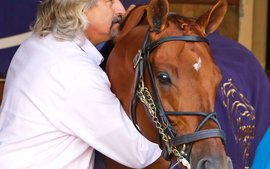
(164, 78)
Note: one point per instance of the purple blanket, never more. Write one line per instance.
(243, 99)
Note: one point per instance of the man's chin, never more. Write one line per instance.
(114, 31)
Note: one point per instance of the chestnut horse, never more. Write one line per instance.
(162, 70)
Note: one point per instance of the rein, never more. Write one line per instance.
(158, 115)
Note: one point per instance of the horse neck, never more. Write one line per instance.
(120, 68)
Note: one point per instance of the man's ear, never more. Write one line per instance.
(157, 14)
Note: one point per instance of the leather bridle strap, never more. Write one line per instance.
(161, 112)
(196, 136)
(212, 117)
(177, 38)
(139, 65)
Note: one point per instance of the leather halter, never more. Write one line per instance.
(141, 63)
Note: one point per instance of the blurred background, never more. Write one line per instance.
(246, 21)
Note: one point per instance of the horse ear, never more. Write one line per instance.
(211, 20)
(132, 20)
(157, 14)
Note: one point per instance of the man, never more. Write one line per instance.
(57, 105)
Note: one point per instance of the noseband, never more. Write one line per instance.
(158, 115)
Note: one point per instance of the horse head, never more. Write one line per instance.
(162, 70)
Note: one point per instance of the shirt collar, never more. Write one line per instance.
(86, 46)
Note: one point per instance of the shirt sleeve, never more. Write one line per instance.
(94, 114)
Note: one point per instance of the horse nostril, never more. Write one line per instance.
(205, 164)
(213, 163)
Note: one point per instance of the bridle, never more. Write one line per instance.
(158, 115)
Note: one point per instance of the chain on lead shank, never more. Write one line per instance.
(146, 98)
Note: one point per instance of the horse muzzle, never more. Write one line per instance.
(214, 163)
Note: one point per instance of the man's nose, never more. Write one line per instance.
(118, 8)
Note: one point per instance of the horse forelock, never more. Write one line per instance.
(185, 24)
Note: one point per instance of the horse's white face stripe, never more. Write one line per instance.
(198, 64)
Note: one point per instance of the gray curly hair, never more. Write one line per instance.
(63, 18)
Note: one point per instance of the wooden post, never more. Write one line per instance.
(246, 23)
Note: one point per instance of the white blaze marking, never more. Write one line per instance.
(198, 64)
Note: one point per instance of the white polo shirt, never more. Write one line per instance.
(58, 107)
